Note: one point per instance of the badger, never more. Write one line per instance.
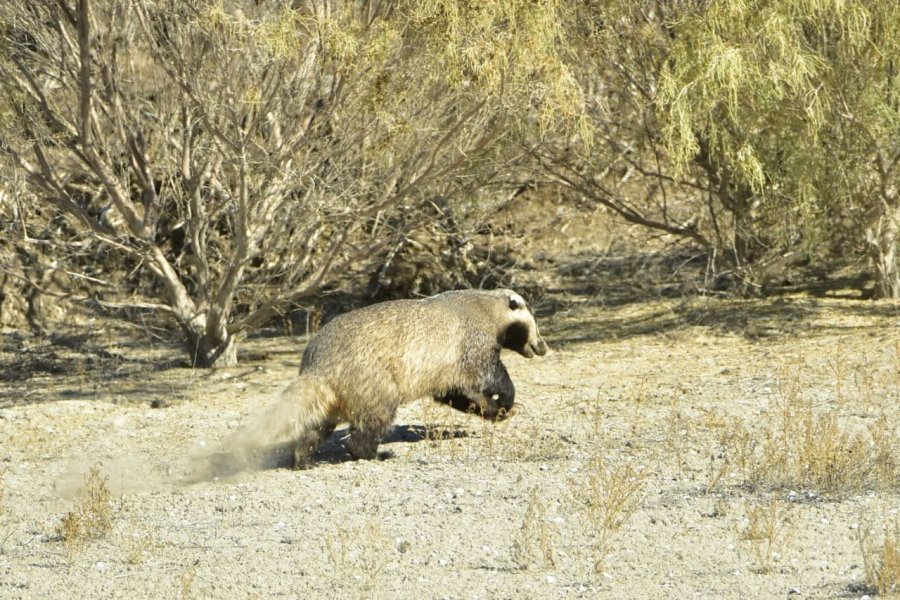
(361, 366)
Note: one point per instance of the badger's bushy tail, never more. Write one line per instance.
(267, 437)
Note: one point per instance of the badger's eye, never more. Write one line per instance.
(516, 302)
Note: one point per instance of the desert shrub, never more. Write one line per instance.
(796, 447)
(92, 516)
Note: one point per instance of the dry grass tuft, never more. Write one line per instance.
(357, 555)
(608, 497)
(885, 452)
(796, 446)
(881, 559)
(533, 545)
(186, 580)
(136, 547)
(91, 518)
(455, 436)
(768, 529)
(523, 439)
(2, 492)
(4, 534)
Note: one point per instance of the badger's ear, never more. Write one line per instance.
(516, 302)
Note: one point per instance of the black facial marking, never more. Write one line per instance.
(515, 336)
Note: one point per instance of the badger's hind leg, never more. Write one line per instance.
(309, 441)
(366, 432)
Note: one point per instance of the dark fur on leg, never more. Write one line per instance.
(495, 401)
(459, 401)
(500, 384)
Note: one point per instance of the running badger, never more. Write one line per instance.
(364, 364)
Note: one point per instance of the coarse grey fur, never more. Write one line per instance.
(364, 364)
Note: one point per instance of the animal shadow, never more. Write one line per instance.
(333, 450)
(280, 456)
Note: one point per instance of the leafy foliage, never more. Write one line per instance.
(796, 102)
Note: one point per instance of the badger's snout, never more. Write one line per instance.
(531, 348)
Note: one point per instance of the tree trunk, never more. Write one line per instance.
(743, 241)
(208, 346)
(205, 350)
(883, 237)
(736, 197)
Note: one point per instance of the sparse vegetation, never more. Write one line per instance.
(451, 435)
(795, 446)
(881, 557)
(533, 544)
(357, 556)
(186, 581)
(591, 488)
(5, 532)
(767, 530)
(136, 547)
(608, 497)
(92, 516)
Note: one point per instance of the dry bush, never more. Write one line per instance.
(533, 544)
(608, 497)
(881, 558)
(357, 555)
(186, 581)
(768, 530)
(217, 164)
(4, 535)
(797, 446)
(92, 516)
(136, 547)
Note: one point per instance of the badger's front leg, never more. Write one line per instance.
(492, 398)
(500, 391)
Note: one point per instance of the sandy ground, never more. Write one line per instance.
(613, 481)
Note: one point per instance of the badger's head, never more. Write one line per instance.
(519, 331)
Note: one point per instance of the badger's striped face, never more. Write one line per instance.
(521, 333)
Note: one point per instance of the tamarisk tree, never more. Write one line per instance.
(799, 102)
(758, 130)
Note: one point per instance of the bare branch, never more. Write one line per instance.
(84, 56)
